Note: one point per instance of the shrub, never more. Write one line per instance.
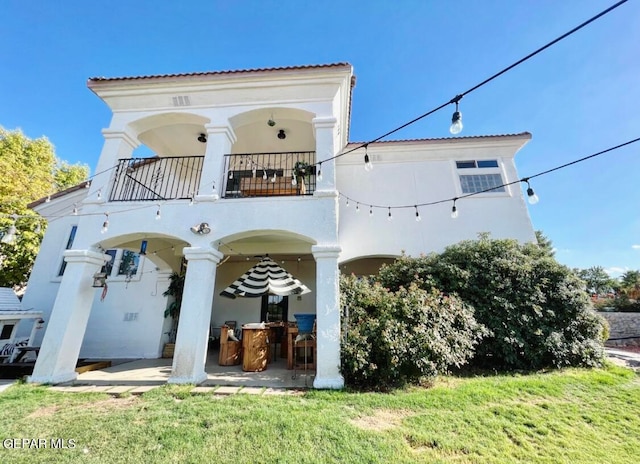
(394, 338)
(626, 304)
(535, 309)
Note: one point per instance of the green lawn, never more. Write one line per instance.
(572, 416)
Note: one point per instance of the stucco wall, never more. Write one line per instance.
(622, 326)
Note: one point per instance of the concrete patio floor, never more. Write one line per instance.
(142, 372)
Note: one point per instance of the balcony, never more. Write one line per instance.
(245, 176)
(269, 174)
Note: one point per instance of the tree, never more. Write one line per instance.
(597, 280)
(544, 243)
(30, 170)
(630, 284)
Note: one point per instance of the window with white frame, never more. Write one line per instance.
(72, 236)
(480, 176)
(123, 263)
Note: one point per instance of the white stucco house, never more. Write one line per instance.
(204, 170)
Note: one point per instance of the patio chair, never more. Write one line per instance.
(230, 348)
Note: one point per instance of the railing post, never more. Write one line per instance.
(326, 139)
(220, 140)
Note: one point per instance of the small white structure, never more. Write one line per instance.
(12, 314)
(211, 171)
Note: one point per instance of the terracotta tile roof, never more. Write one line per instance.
(218, 73)
(440, 139)
(62, 193)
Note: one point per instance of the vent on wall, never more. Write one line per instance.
(181, 100)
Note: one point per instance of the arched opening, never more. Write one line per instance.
(274, 154)
(365, 265)
(127, 318)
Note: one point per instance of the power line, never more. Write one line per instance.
(492, 189)
(459, 97)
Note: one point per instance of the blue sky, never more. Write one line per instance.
(579, 97)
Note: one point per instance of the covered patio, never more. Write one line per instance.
(145, 372)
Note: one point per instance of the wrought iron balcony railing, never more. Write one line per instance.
(269, 174)
(153, 179)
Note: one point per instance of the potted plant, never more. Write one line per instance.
(301, 171)
(175, 289)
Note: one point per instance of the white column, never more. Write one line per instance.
(325, 130)
(328, 316)
(220, 140)
(58, 355)
(117, 145)
(195, 316)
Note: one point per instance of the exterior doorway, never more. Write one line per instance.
(275, 308)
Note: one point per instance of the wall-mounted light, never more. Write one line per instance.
(99, 279)
(281, 134)
(201, 229)
(202, 138)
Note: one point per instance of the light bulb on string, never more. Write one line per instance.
(75, 209)
(10, 235)
(230, 175)
(533, 198)
(319, 175)
(456, 119)
(38, 229)
(357, 207)
(273, 179)
(294, 181)
(370, 211)
(347, 203)
(389, 216)
(367, 162)
(158, 215)
(191, 200)
(99, 194)
(105, 224)
(418, 218)
(48, 199)
(264, 175)
(253, 171)
(454, 210)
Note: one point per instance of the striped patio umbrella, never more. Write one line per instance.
(263, 278)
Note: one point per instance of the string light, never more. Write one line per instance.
(158, 216)
(347, 203)
(191, 200)
(294, 182)
(319, 175)
(367, 162)
(75, 209)
(48, 199)
(454, 209)
(357, 207)
(264, 175)
(10, 235)
(273, 179)
(418, 218)
(105, 224)
(230, 175)
(389, 216)
(456, 119)
(99, 194)
(533, 198)
(370, 211)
